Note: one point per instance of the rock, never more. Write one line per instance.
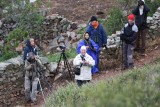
(74, 26)
(1, 23)
(153, 27)
(118, 33)
(16, 61)
(44, 60)
(71, 34)
(158, 10)
(3, 66)
(149, 19)
(114, 35)
(1, 31)
(110, 42)
(52, 67)
(84, 25)
(2, 43)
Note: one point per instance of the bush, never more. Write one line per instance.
(8, 55)
(115, 21)
(136, 88)
(153, 5)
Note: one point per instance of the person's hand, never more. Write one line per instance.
(86, 62)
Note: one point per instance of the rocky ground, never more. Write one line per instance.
(79, 10)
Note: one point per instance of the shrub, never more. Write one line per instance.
(115, 21)
(136, 88)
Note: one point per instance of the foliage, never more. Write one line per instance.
(115, 21)
(153, 5)
(136, 88)
(8, 55)
(55, 57)
(29, 24)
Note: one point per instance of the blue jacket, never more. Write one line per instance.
(97, 35)
(28, 49)
(92, 51)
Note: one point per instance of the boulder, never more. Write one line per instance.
(158, 10)
(1, 23)
(83, 25)
(52, 67)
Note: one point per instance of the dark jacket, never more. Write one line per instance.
(28, 49)
(97, 35)
(129, 34)
(141, 20)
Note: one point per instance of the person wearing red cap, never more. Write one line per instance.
(128, 37)
(141, 12)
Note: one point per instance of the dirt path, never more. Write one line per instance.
(140, 61)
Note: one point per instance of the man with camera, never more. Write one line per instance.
(141, 12)
(84, 63)
(31, 61)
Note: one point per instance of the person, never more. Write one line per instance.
(96, 32)
(128, 37)
(92, 50)
(141, 12)
(85, 62)
(31, 77)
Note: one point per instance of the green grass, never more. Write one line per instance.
(8, 56)
(136, 88)
(69, 53)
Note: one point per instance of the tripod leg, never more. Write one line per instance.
(58, 66)
(46, 82)
(68, 66)
(42, 91)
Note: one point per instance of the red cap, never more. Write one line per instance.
(131, 17)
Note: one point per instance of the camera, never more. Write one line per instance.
(61, 42)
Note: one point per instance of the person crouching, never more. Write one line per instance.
(85, 62)
(128, 37)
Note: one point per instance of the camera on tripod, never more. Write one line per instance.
(61, 43)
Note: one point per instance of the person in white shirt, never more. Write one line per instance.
(85, 62)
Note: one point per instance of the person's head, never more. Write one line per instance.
(141, 3)
(86, 36)
(131, 19)
(94, 20)
(32, 42)
(83, 50)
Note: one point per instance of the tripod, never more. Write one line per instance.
(40, 74)
(66, 63)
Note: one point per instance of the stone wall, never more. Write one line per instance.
(11, 81)
(52, 26)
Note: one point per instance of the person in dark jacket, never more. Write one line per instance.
(96, 32)
(31, 77)
(128, 37)
(141, 12)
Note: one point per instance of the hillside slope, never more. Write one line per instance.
(136, 88)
